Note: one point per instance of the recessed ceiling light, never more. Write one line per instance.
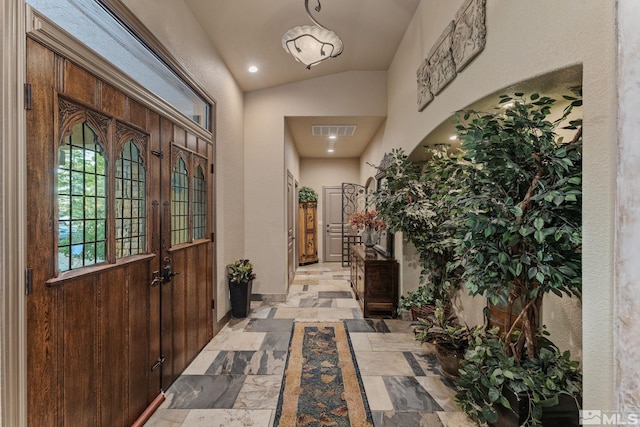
(508, 105)
(453, 137)
(253, 69)
(332, 137)
(330, 150)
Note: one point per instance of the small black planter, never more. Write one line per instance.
(240, 298)
(565, 414)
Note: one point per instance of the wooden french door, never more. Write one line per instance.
(110, 322)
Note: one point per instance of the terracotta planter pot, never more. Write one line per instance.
(449, 361)
(426, 311)
(497, 316)
(422, 312)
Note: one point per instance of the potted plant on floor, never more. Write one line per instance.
(240, 276)
(417, 200)
(537, 391)
(450, 338)
(519, 240)
(421, 303)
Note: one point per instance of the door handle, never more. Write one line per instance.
(156, 278)
(167, 273)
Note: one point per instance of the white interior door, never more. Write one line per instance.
(332, 199)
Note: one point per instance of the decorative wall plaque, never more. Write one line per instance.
(470, 34)
(441, 64)
(460, 42)
(424, 90)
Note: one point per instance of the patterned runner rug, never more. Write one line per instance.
(322, 384)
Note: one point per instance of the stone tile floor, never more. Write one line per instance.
(236, 379)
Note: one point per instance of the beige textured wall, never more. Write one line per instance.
(526, 39)
(320, 173)
(351, 93)
(291, 157)
(192, 48)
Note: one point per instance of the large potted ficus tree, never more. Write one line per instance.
(519, 240)
(415, 199)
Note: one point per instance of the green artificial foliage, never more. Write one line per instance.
(416, 199)
(488, 370)
(418, 298)
(239, 271)
(520, 231)
(504, 218)
(442, 328)
(307, 194)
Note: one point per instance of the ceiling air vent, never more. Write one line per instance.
(337, 130)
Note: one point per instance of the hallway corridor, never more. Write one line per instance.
(236, 379)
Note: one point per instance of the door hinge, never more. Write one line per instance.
(213, 168)
(28, 281)
(213, 304)
(158, 153)
(213, 237)
(28, 98)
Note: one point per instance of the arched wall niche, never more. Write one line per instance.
(562, 316)
(553, 84)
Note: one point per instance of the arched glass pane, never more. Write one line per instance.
(131, 225)
(82, 200)
(179, 203)
(199, 204)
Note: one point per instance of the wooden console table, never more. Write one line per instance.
(374, 279)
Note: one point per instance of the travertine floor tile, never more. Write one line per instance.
(236, 379)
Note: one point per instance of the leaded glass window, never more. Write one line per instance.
(82, 200)
(199, 204)
(179, 203)
(130, 202)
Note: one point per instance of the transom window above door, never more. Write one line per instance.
(94, 24)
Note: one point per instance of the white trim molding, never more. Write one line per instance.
(13, 335)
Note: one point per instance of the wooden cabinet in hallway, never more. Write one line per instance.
(307, 233)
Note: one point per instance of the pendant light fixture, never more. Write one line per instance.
(312, 44)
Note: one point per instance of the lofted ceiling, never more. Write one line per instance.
(249, 32)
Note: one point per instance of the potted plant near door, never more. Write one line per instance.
(240, 276)
(307, 194)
